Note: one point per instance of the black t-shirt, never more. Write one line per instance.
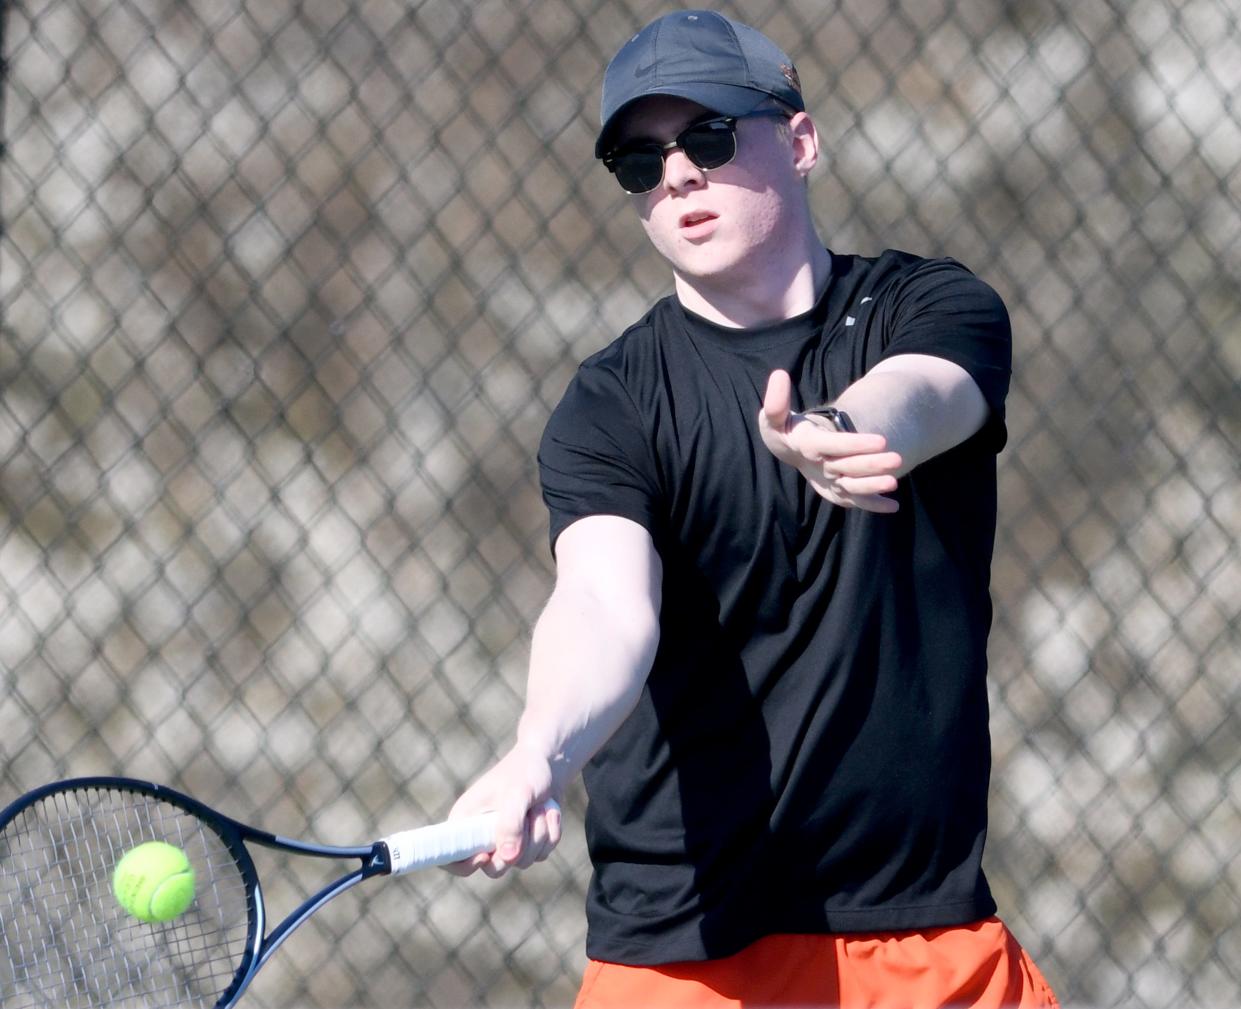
(810, 752)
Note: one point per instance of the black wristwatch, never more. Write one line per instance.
(838, 417)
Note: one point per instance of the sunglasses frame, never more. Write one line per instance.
(611, 159)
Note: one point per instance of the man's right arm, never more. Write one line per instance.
(591, 651)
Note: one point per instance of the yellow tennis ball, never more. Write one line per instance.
(154, 881)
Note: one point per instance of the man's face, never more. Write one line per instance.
(716, 225)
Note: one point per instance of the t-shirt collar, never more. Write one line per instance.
(768, 334)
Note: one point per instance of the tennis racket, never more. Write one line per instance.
(68, 944)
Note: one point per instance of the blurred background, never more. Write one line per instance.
(288, 290)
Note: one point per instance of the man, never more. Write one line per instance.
(772, 511)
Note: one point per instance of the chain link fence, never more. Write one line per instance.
(289, 288)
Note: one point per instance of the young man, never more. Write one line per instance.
(772, 509)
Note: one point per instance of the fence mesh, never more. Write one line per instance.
(288, 290)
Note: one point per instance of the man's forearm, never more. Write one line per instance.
(589, 660)
(922, 405)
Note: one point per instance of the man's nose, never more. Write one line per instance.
(681, 173)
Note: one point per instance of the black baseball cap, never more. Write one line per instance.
(722, 64)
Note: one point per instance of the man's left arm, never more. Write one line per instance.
(922, 405)
(907, 409)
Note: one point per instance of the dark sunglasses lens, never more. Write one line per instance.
(639, 171)
(709, 146)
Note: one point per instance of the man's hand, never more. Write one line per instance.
(516, 788)
(850, 470)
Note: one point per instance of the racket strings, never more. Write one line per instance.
(67, 941)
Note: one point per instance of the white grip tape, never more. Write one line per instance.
(450, 841)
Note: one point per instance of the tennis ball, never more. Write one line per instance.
(154, 881)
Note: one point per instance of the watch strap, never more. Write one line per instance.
(839, 418)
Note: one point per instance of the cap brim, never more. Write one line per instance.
(722, 99)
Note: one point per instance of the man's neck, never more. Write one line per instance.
(767, 295)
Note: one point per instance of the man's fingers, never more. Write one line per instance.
(874, 503)
(778, 399)
(494, 867)
(534, 838)
(862, 486)
(544, 824)
(512, 825)
(467, 866)
(867, 465)
(815, 442)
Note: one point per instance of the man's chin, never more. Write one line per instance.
(710, 266)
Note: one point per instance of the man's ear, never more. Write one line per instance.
(805, 143)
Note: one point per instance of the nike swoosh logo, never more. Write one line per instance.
(645, 71)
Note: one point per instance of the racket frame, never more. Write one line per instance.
(374, 857)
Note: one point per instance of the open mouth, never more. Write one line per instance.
(696, 218)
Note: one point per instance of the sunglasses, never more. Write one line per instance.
(708, 143)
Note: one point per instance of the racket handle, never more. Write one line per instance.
(441, 843)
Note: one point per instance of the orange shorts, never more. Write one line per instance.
(979, 965)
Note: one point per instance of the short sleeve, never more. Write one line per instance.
(595, 457)
(941, 309)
